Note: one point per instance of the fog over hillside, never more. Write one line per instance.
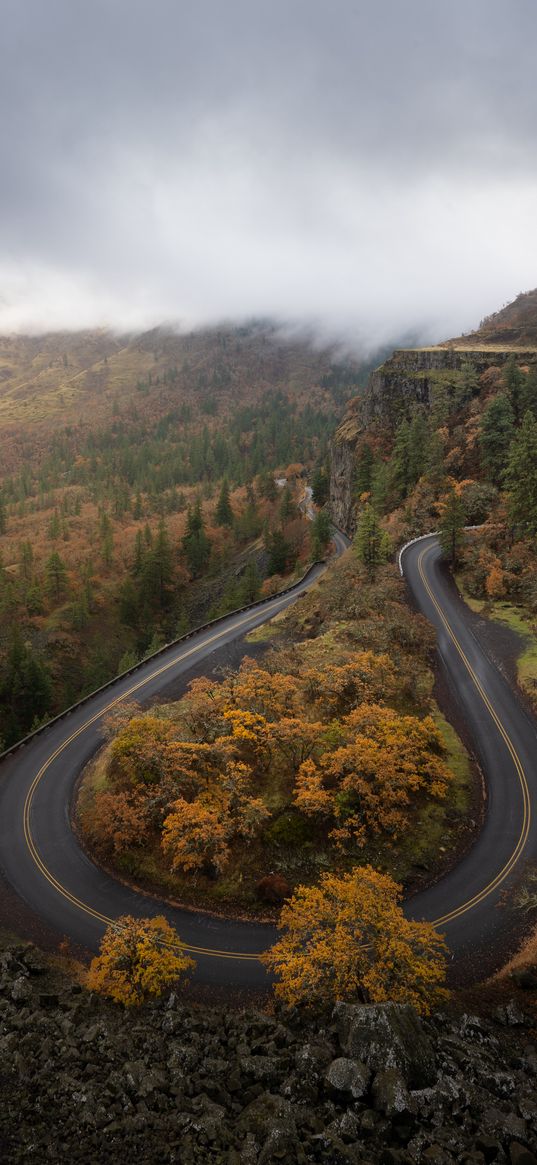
(366, 167)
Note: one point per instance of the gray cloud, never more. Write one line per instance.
(368, 165)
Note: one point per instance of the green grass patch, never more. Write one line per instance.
(437, 825)
(518, 620)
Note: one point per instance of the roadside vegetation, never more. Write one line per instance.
(138, 495)
(326, 754)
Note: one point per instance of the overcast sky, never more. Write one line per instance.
(368, 165)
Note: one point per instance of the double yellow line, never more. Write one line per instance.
(519, 769)
(470, 904)
(31, 845)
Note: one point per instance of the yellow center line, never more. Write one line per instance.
(53, 881)
(246, 956)
(519, 769)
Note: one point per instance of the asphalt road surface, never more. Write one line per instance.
(43, 862)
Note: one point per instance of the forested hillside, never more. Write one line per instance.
(447, 437)
(138, 493)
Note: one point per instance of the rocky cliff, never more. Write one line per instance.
(410, 377)
(83, 1081)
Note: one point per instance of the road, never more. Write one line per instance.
(43, 862)
(471, 904)
(40, 855)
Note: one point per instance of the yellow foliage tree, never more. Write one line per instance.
(348, 939)
(196, 833)
(139, 958)
(368, 783)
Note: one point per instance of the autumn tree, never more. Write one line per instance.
(367, 784)
(452, 523)
(196, 835)
(347, 938)
(139, 959)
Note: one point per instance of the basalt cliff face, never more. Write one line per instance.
(408, 379)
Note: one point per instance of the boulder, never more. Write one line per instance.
(347, 1077)
(390, 1094)
(387, 1035)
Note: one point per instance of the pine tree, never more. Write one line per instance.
(320, 486)
(371, 542)
(521, 475)
(287, 505)
(55, 576)
(495, 436)
(515, 381)
(320, 534)
(157, 575)
(452, 527)
(250, 584)
(27, 561)
(224, 513)
(279, 552)
(364, 470)
(400, 461)
(54, 528)
(196, 545)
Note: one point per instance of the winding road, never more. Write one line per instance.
(43, 862)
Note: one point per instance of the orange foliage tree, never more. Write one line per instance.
(117, 820)
(347, 938)
(139, 959)
(367, 784)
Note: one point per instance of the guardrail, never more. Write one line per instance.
(155, 655)
(421, 538)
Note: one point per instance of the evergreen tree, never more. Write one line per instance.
(400, 461)
(379, 486)
(157, 576)
(27, 561)
(250, 584)
(529, 393)
(267, 486)
(54, 528)
(196, 545)
(107, 538)
(320, 485)
(3, 515)
(320, 534)
(495, 436)
(224, 513)
(371, 543)
(288, 509)
(469, 381)
(55, 576)
(521, 475)
(418, 448)
(25, 690)
(434, 466)
(452, 527)
(515, 381)
(364, 470)
(279, 552)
